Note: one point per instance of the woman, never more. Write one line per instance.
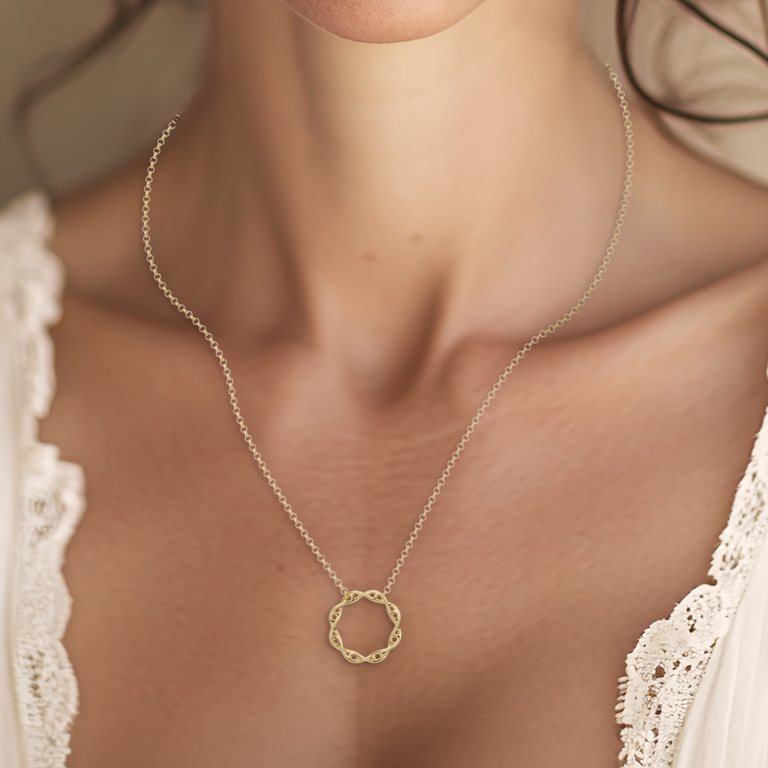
(371, 232)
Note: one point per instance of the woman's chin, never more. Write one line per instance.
(383, 21)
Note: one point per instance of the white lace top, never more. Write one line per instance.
(695, 694)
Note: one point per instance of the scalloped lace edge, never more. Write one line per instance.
(51, 497)
(664, 671)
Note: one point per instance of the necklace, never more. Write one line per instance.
(349, 597)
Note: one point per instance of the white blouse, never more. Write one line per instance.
(695, 694)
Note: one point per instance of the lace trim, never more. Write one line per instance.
(665, 669)
(51, 496)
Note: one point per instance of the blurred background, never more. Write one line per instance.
(114, 106)
(117, 105)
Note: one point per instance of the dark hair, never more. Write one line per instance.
(671, 103)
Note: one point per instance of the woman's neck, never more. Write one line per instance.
(384, 183)
(389, 201)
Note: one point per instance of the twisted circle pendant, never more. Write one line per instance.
(355, 657)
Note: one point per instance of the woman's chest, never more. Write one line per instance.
(587, 505)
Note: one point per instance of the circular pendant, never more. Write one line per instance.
(394, 636)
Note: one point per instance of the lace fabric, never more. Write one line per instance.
(663, 672)
(665, 669)
(49, 491)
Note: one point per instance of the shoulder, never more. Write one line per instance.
(736, 303)
(721, 328)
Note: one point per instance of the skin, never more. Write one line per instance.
(383, 21)
(371, 232)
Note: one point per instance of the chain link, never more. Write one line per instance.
(480, 411)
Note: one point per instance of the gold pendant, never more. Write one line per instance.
(394, 636)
